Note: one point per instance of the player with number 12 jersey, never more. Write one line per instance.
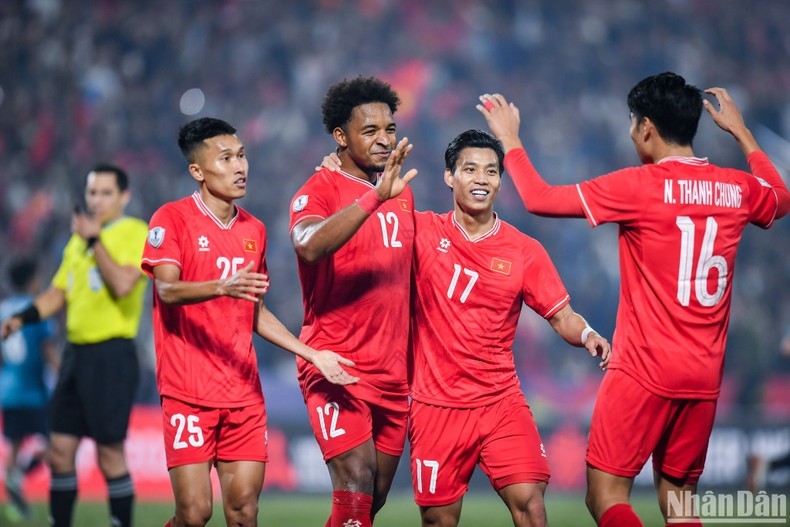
(370, 272)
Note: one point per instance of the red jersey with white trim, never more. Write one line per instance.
(356, 301)
(680, 221)
(466, 308)
(204, 351)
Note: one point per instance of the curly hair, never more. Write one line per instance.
(342, 97)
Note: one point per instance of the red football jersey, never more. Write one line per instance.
(468, 299)
(356, 301)
(204, 351)
(680, 221)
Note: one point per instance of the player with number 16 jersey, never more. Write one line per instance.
(203, 355)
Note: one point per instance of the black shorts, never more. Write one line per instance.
(19, 423)
(95, 390)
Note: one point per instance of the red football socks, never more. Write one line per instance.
(350, 508)
(620, 515)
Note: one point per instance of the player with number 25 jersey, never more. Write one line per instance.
(204, 356)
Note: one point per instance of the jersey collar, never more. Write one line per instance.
(698, 161)
(491, 232)
(202, 207)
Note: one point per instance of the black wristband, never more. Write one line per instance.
(92, 241)
(30, 315)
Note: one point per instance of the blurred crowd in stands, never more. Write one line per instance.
(112, 80)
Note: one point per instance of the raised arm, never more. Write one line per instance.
(328, 363)
(316, 239)
(539, 197)
(243, 284)
(575, 331)
(728, 117)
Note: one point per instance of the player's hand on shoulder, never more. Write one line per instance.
(9, 326)
(331, 162)
(391, 183)
(599, 347)
(329, 364)
(245, 284)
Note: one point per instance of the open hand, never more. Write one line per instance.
(245, 284)
(598, 346)
(390, 183)
(329, 364)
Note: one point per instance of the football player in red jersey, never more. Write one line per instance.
(472, 274)
(353, 231)
(680, 220)
(207, 257)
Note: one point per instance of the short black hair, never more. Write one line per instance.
(121, 178)
(472, 139)
(21, 272)
(192, 134)
(673, 105)
(341, 98)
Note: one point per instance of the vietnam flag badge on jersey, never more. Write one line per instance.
(404, 205)
(250, 246)
(500, 266)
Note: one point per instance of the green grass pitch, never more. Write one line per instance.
(312, 511)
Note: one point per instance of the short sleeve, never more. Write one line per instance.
(127, 245)
(163, 244)
(316, 199)
(61, 278)
(542, 287)
(614, 197)
(763, 198)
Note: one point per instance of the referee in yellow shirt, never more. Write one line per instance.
(100, 283)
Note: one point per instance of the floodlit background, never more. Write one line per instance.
(89, 81)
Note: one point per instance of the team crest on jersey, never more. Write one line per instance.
(203, 244)
(404, 205)
(300, 203)
(156, 236)
(444, 244)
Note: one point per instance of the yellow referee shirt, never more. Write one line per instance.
(92, 314)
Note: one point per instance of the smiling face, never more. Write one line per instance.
(367, 140)
(220, 166)
(475, 181)
(104, 198)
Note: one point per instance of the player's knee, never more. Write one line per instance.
(438, 517)
(194, 514)
(529, 511)
(242, 510)
(356, 476)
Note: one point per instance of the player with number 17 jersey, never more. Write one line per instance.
(463, 355)
(370, 272)
(204, 350)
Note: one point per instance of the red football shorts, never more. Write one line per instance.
(341, 421)
(630, 423)
(196, 434)
(447, 443)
